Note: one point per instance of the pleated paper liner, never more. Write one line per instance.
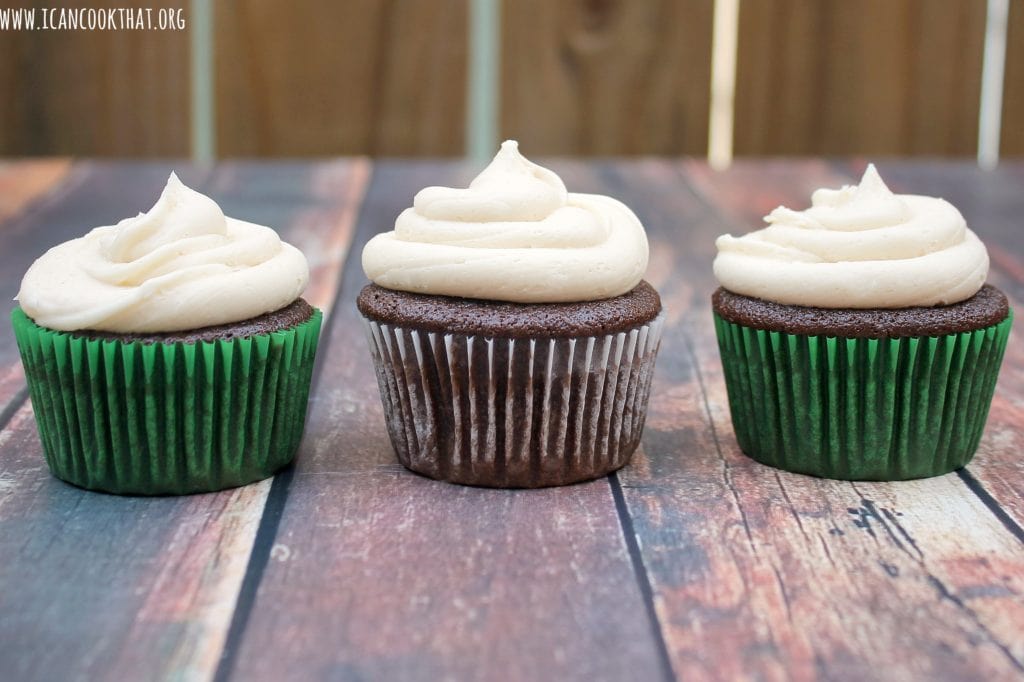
(860, 409)
(515, 413)
(155, 419)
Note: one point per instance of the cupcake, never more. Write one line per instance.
(858, 337)
(169, 353)
(512, 334)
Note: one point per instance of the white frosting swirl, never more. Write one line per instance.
(515, 234)
(857, 247)
(183, 265)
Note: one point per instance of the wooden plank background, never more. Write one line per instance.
(589, 77)
(95, 93)
(317, 77)
(890, 77)
(606, 77)
(1013, 105)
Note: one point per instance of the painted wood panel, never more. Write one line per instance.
(606, 78)
(876, 77)
(317, 78)
(95, 93)
(132, 587)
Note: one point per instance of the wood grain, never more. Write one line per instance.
(1013, 84)
(145, 588)
(767, 575)
(95, 93)
(321, 78)
(875, 77)
(378, 573)
(607, 77)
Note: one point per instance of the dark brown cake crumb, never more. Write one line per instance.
(291, 315)
(447, 314)
(987, 307)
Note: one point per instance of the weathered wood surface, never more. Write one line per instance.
(871, 77)
(96, 586)
(606, 77)
(693, 563)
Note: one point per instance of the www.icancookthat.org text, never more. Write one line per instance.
(92, 19)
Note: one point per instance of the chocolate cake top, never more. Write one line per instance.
(290, 316)
(989, 306)
(446, 314)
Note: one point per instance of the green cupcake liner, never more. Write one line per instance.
(860, 409)
(155, 419)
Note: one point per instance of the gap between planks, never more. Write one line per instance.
(643, 580)
(271, 510)
(369, 585)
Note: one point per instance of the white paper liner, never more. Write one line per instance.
(514, 412)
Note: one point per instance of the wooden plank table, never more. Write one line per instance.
(692, 563)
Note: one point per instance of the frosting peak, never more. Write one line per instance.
(181, 265)
(866, 206)
(510, 188)
(860, 246)
(515, 234)
(179, 213)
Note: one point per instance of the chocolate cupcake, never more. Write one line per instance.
(512, 335)
(169, 353)
(859, 339)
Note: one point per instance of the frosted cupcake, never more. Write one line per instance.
(512, 334)
(858, 337)
(170, 353)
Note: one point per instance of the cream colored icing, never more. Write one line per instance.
(857, 247)
(183, 265)
(515, 234)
